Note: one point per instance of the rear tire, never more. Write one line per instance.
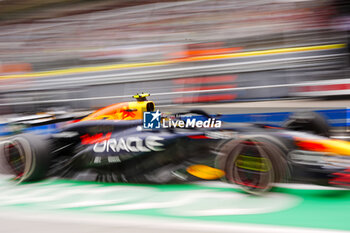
(26, 156)
(310, 122)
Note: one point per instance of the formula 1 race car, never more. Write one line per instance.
(114, 145)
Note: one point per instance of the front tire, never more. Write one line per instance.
(253, 163)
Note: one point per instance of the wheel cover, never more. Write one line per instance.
(251, 167)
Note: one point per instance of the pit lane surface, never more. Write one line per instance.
(71, 206)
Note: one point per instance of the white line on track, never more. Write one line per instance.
(125, 223)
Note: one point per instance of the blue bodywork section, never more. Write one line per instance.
(335, 117)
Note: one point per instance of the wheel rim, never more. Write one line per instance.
(251, 167)
(15, 157)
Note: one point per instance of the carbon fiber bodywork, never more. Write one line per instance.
(253, 156)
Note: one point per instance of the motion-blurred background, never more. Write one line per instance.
(85, 54)
(65, 58)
